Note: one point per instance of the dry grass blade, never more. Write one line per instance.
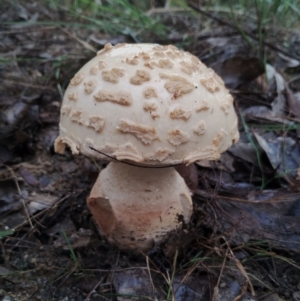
(14, 177)
(28, 85)
(245, 274)
(85, 44)
(149, 273)
(216, 288)
(94, 289)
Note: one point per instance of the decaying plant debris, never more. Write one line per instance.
(243, 242)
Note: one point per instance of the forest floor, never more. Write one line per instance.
(243, 242)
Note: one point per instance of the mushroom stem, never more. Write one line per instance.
(135, 206)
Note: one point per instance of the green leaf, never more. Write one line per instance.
(6, 233)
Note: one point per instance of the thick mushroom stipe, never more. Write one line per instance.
(135, 207)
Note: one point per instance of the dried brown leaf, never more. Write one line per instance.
(236, 71)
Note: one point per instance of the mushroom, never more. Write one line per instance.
(146, 108)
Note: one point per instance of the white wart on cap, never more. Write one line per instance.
(147, 104)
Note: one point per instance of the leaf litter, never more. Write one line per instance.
(243, 240)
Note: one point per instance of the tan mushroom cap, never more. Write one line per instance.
(148, 104)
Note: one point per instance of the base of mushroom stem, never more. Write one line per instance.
(137, 206)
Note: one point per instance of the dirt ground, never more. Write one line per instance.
(243, 242)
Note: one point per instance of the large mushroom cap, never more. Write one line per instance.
(147, 104)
